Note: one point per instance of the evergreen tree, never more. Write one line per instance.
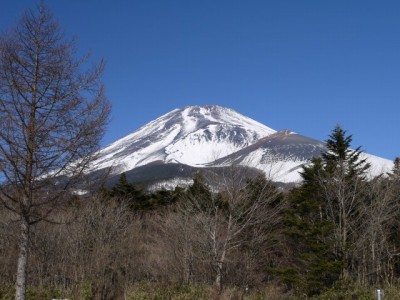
(314, 266)
(324, 214)
(260, 187)
(165, 197)
(200, 193)
(339, 156)
(135, 196)
(341, 185)
(122, 188)
(395, 174)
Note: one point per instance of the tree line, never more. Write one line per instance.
(228, 230)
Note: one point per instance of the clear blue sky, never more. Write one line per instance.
(299, 65)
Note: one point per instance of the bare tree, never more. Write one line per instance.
(52, 117)
(377, 246)
(375, 250)
(100, 250)
(245, 208)
(343, 198)
(341, 183)
(179, 239)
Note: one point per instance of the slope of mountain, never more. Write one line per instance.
(180, 142)
(281, 155)
(194, 136)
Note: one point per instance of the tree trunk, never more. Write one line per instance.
(20, 288)
(221, 261)
(218, 275)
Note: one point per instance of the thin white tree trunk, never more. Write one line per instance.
(218, 275)
(221, 261)
(20, 288)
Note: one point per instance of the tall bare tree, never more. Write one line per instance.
(53, 113)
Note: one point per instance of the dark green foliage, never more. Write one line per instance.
(199, 188)
(133, 195)
(266, 194)
(395, 174)
(259, 187)
(314, 266)
(140, 200)
(342, 184)
(200, 194)
(123, 189)
(165, 197)
(340, 156)
(321, 213)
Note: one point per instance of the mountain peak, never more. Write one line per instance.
(211, 136)
(194, 135)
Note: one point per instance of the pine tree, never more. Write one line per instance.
(341, 185)
(200, 193)
(340, 156)
(164, 197)
(135, 196)
(324, 213)
(314, 266)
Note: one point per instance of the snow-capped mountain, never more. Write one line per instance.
(212, 136)
(195, 135)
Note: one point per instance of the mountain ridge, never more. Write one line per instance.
(214, 136)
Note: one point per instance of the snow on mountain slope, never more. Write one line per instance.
(281, 156)
(214, 136)
(379, 165)
(195, 135)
